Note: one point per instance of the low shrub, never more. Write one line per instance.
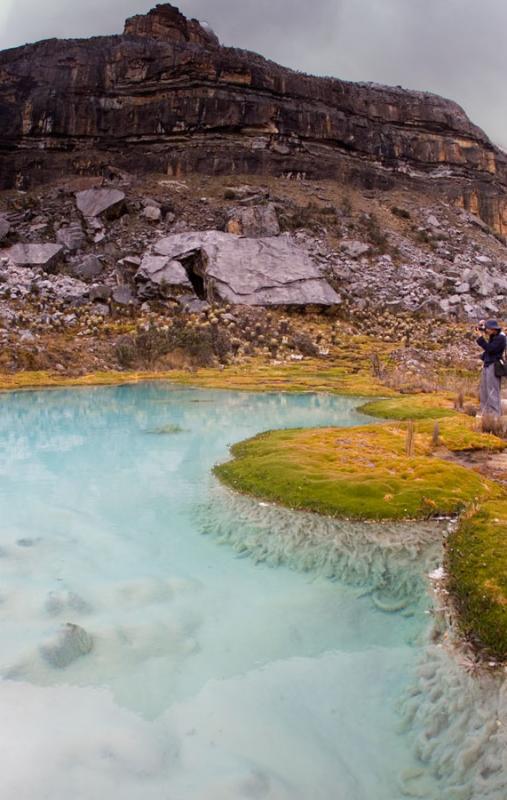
(203, 346)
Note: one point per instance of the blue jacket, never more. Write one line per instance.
(493, 348)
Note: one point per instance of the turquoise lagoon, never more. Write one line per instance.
(237, 650)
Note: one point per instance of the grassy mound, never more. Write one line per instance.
(412, 406)
(360, 473)
(477, 566)
(457, 434)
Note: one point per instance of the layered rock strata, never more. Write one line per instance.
(166, 97)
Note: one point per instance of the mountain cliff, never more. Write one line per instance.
(166, 97)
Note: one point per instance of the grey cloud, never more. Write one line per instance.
(451, 47)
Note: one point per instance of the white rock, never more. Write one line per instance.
(152, 214)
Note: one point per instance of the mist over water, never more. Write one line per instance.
(221, 648)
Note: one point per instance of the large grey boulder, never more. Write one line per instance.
(160, 275)
(255, 272)
(35, 255)
(255, 221)
(97, 202)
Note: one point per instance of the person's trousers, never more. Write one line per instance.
(491, 402)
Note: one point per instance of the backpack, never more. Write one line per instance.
(501, 365)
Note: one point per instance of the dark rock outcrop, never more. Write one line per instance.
(164, 96)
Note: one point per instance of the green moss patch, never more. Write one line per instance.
(477, 566)
(411, 406)
(359, 473)
(458, 434)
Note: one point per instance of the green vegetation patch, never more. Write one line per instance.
(411, 406)
(360, 473)
(477, 566)
(47, 380)
(311, 376)
(457, 434)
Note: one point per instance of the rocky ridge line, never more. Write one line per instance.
(166, 97)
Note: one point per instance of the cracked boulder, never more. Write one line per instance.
(161, 276)
(243, 271)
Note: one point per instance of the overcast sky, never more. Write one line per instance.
(452, 47)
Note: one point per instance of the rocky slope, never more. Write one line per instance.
(166, 97)
(186, 266)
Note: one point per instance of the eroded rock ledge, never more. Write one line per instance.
(165, 96)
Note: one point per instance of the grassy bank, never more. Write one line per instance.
(365, 473)
(359, 473)
(312, 376)
(477, 567)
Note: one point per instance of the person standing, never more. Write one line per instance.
(493, 343)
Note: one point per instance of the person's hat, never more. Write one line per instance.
(492, 325)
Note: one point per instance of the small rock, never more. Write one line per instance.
(192, 304)
(89, 268)
(122, 295)
(99, 292)
(27, 336)
(98, 202)
(72, 237)
(152, 214)
(102, 309)
(70, 643)
(255, 221)
(354, 248)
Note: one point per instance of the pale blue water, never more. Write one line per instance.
(210, 676)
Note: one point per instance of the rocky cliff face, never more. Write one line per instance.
(165, 97)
